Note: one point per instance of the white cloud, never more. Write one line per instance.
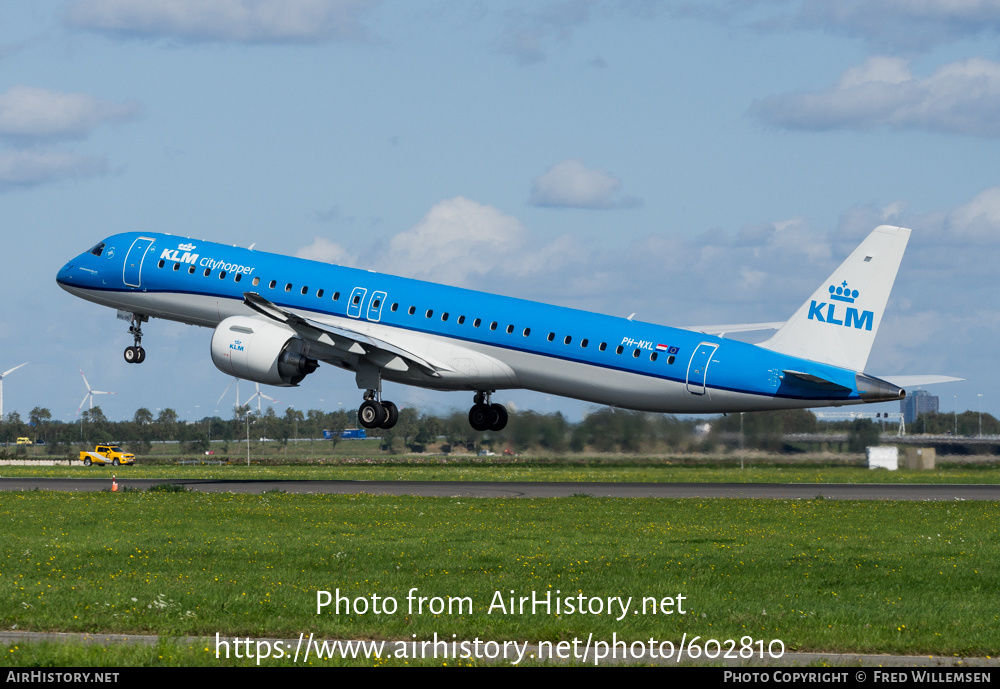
(28, 167)
(961, 97)
(457, 239)
(886, 25)
(255, 21)
(30, 112)
(527, 33)
(979, 219)
(903, 24)
(570, 184)
(324, 250)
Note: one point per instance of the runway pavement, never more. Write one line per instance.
(527, 489)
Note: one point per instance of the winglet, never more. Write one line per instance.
(838, 323)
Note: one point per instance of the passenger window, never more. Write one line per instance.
(239, 276)
(652, 357)
(567, 339)
(444, 316)
(272, 284)
(394, 307)
(375, 304)
(461, 320)
(288, 287)
(190, 270)
(583, 342)
(603, 346)
(551, 337)
(160, 264)
(336, 296)
(636, 353)
(493, 325)
(222, 275)
(510, 329)
(412, 310)
(430, 312)
(304, 290)
(670, 359)
(475, 323)
(619, 350)
(208, 271)
(356, 300)
(177, 266)
(319, 293)
(256, 281)
(527, 331)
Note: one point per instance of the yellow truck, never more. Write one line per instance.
(107, 454)
(24, 441)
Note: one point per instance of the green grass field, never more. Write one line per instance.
(438, 469)
(818, 575)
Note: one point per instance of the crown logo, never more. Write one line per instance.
(842, 293)
(185, 247)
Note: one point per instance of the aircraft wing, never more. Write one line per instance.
(721, 330)
(344, 340)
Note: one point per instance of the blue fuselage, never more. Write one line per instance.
(556, 350)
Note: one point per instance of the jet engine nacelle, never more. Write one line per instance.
(261, 351)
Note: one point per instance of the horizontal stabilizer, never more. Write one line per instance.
(721, 330)
(911, 381)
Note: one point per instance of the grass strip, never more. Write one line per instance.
(866, 577)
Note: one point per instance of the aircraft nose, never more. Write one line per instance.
(63, 275)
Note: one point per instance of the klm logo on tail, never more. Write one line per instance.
(851, 318)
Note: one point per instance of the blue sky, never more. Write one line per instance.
(692, 162)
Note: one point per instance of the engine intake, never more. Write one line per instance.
(261, 351)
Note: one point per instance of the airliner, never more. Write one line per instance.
(275, 318)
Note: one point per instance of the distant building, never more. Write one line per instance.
(916, 403)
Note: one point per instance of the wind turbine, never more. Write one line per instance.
(2, 376)
(226, 391)
(259, 395)
(90, 393)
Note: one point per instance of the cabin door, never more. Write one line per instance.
(697, 372)
(132, 275)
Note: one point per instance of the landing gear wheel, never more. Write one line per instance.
(499, 417)
(371, 414)
(141, 355)
(480, 417)
(391, 415)
(131, 355)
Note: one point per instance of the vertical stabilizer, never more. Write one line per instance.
(838, 323)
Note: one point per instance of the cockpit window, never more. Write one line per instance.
(97, 250)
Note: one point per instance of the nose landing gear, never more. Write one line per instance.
(485, 416)
(136, 354)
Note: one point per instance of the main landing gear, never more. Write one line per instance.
(485, 416)
(374, 413)
(136, 354)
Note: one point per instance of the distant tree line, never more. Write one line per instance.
(602, 431)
